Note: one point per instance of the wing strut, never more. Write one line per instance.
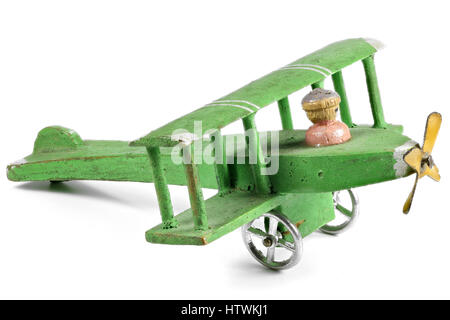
(256, 156)
(374, 92)
(195, 190)
(162, 190)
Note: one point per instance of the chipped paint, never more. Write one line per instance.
(298, 224)
(19, 163)
(400, 166)
(377, 44)
(184, 138)
(14, 165)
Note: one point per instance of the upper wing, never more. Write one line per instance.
(262, 92)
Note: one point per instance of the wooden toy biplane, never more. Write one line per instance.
(274, 210)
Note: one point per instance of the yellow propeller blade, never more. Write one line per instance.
(414, 159)
(433, 173)
(408, 202)
(431, 131)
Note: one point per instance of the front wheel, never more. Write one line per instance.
(348, 210)
(273, 241)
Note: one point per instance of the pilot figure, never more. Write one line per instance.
(321, 106)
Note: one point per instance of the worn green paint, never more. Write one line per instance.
(367, 158)
(56, 138)
(262, 182)
(229, 212)
(285, 114)
(374, 92)
(344, 166)
(264, 91)
(339, 87)
(162, 191)
(103, 160)
(310, 210)
(226, 213)
(195, 191)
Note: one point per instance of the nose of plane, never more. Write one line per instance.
(400, 166)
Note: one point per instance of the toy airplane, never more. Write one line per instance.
(275, 209)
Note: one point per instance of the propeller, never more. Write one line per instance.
(420, 160)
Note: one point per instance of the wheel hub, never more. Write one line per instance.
(267, 242)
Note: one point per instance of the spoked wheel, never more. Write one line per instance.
(273, 241)
(349, 211)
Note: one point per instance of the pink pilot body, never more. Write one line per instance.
(326, 133)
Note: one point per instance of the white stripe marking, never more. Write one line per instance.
(229, 105)
(304, 68)
(310, 65)
(242, 101)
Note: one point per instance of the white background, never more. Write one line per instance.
(118, 69)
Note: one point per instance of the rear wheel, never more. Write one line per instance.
(346, 208)
(273, 241)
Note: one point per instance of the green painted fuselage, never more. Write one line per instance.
(369, 157)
